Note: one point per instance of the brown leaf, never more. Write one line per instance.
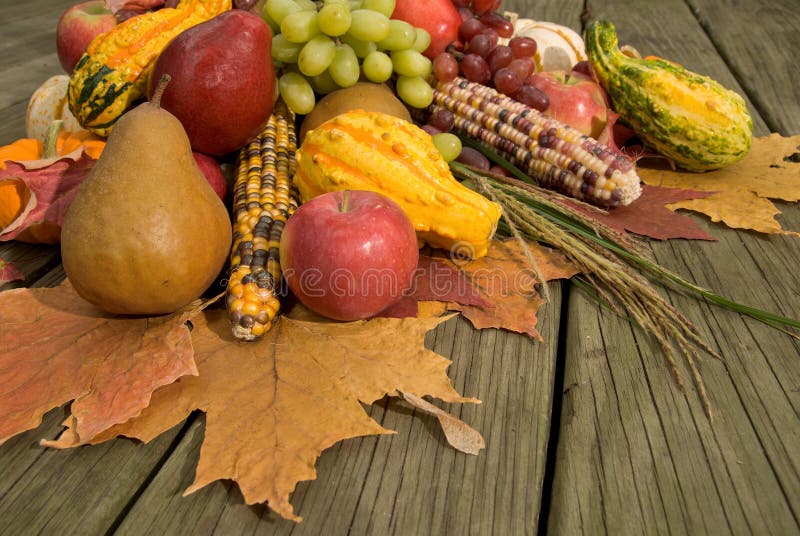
(44, 191)
(9, 272)
(436, 280)
(505, 278)
(55, 348)
(648, 215)
(275, 404)
(743, 188)
(459, 434)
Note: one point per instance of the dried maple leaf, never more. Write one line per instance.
(275, 404)
(55, 347)
(439, 281)
(35, 195)
(505, 278)
(9, 272)
(648, 215)
(743, 189)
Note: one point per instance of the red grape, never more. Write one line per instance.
(499, 57)
(499, 23)
(507, 81)
(243, 4)
(470, 28)
(442, 120)
(493, 35)
(473, 158)
(475, 69)
(584, 67)
(522, 66)
(480, 44)
(461, 3)
(533, 97)
(445, 67)
(430, 129)
(466, 13)
(523, 47)
(125, 14)
(482, 6)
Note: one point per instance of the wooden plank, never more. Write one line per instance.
(764, 61)
(635, 454)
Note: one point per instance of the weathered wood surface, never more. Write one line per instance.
(634, 454)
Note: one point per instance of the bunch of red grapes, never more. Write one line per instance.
(480, 58)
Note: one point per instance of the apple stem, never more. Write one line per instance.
(344, 206)
(162, 85)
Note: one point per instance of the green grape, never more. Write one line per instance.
(377, 67)
(274, 27)
(307, 5)
(385, 7)
(316, 55)
(401, 36)
(411, 63)
(361, 48)
(414, 91)
(448, 144)
(283, 50)
(334, 19)
(296, 92)
(422, 40)
(323, 83)
(368, 25)
(276, 10)
(300, 26)
(344, 68)
(355, 4)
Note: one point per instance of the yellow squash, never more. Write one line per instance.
(114, 71)
(360, 150)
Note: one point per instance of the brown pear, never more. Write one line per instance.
(145, 234)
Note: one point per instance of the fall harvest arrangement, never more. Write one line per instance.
(372, 151)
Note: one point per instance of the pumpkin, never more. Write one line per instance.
(360, 150)
(558, 47)
(114, 71)
(15, 194)
(26, 149)
(690, 118)
(47, 104)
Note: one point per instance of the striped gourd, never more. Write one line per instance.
(360, 150)
(263, 200)
(114, 71)
(558, 156)
(690, 118)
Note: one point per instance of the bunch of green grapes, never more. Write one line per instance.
(323, 46)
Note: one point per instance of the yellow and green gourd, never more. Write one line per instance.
(690, 118)
(114, 71)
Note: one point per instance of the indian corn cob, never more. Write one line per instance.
(263, 200)
(558, 156)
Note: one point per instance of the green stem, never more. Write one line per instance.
(50, 143)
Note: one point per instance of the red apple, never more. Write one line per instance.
(212, 172)
(575, 99)
(77, 27)
(439, 17)
(348, 255)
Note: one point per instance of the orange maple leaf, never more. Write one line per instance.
(506, 279)
(55, 348)
(742, 191)
(275, 404)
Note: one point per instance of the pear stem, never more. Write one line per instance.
(344, 206)
(162, 85)
(50, 143)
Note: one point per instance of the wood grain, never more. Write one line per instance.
(636, 454)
